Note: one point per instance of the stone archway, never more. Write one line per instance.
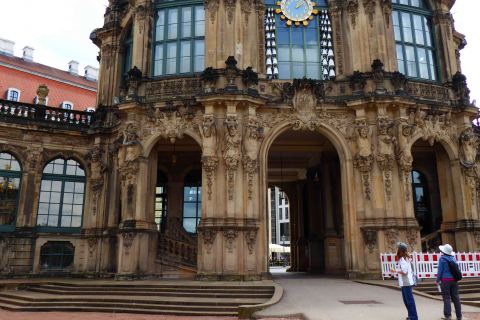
(332, 131)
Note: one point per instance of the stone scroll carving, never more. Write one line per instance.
(211, 6)
(370, 8)
(352, 9)
(230, 8)
(209, 164)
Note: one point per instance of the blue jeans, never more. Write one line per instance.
(450, 293)
(407, 296)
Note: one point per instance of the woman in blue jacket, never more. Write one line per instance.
(448, 284)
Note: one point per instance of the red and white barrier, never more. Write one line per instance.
(425, 265)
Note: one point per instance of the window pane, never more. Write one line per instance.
(297, 36)
(433, 74)
(411, 61)
(283, 36)
(284, 53)
(171, 58)
(298, 54)
(407, 27)
(185, 52)
(172, 23)
(186, 22)
(313, 54)
(199, 21)
(417, 23)
(313, 70)
(189, 210)
(422, 62)
(199, 55)
(400, 59)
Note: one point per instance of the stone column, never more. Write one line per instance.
(143, 20)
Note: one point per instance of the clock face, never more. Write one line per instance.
(297, 10)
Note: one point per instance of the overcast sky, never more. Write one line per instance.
(59, 31)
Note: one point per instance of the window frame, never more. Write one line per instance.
(178, 5)
(424, 13)
(63, 178)
(426, 193)
(127, 45)
(163, 196)
(12, 175)
(9, 92)
(62, 255)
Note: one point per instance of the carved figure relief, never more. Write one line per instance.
(469, 143)
(208, 132)
(385, 152)
(405, 131)
(252, 140)
(392, 236)
(232, 154)
(363, 161)
(98, 168)
(370, 239)
(250, 239)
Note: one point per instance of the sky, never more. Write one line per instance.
(59, 32)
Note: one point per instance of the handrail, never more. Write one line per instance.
(35, 113)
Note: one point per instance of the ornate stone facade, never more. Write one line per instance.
(361, 135)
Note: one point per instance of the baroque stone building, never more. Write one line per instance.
(358, 108)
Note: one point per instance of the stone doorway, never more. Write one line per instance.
(306, 166)
(176, 204)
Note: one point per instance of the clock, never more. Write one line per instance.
(296, 11)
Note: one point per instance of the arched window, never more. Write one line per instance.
(179, 37)
(294, 52)
(414, 41)
(192, 201)
(10, 177)
(161, 202)
(421, 202)
(61, 195)
(127, 51)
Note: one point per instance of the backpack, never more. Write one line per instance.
(455, 270)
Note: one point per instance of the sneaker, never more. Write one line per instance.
(447, 318)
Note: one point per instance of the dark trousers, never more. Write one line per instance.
(407, 296)
(450, 293)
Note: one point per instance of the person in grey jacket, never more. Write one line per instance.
(448, 284)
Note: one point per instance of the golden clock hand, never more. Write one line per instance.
(299, 4)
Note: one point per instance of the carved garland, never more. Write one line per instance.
(209, 166)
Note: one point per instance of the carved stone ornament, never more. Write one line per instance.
(250, 167)
(459, 85)
(247, 6)
(434, 126)
(352, 9)
(403, 152)
(230, 235)
(363, 161)
(230, 8)
(378, 74)
(358, 82)
(231, 70)
(209, 165)
(399, 82)
(211, 6)
(469, 143)
(231, 154)
(412, 236)
(92, 245)
(128, 238)
(387, 10)
(392, 237)
(208, 235)
(385, 152)
(370, 8)
(370, 238)
(251, 239)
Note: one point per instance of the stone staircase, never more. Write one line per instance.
(183, 298)
(469, 290)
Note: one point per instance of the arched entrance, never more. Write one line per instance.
(432, 191)
(175, 202)
(306, 166)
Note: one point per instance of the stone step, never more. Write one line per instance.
(206, 289)
(122, 309)
(166, 286)
(194, 301)
(158, 293)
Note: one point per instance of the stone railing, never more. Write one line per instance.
(20, 112)
(177, 246)
(428, 91)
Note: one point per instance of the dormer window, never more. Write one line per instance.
(13, 94)
(67, 105)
